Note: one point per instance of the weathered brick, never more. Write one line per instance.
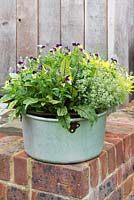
(103, 164)
(14, 193)
(107, 187)
(9, 145)
(94, 172)
(2, 191)
(110, 149)
(116, 195)
(66, 180)
(126, 187)
(44, 196)
(20, 168)
(127, 148)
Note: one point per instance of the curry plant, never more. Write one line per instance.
(65, 81)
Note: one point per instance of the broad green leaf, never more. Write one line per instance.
(12, 104)
(86, 112)
(29, 101)
(6, 97)
(62, 111)
(64, 121)
(65, 68)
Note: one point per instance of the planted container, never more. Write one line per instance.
(46, 140)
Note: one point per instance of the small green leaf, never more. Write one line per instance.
(65, 68)
(65, 121)
(12, 104)
(29, 101)
(62, 111)
(52, 101)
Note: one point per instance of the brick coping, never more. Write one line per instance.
(108, 177)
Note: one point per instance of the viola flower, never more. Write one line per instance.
(74, 44)
(47, 70)
(81, 49)
(114, 60)
(88, 61)
(51, 50)
(33, 58)
(68, 79)
(20, 62)
(58, 46)
(96, 54)
(40, 68)
(54, 48)
(34, 74)
(41, 46)
(62, 84)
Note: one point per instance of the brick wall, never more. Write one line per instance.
(107, 177)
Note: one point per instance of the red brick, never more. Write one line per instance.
(132, 144)
(94, 172)
(20, 168)
(15, 193)
(104, 165)
(2, 191)
(127, 148)
(41, 196)
(126, 187)
(8, 146)
(111, 157)
(66, 180)
(119, 153)
(119, 176)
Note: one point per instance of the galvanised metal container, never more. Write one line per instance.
(46, 140)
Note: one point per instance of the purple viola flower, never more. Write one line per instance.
(74, 44)
(78, 44)
(33, 58)
(59, 45)
(40, 68)
(23, 67)
(54, 48)
(20, 62)
(81, 49)
(47, 70)
(114, 60)
(88, 61)
(67, 78)
(51, 50)
(96, 54)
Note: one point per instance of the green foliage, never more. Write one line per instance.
(66, 81)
